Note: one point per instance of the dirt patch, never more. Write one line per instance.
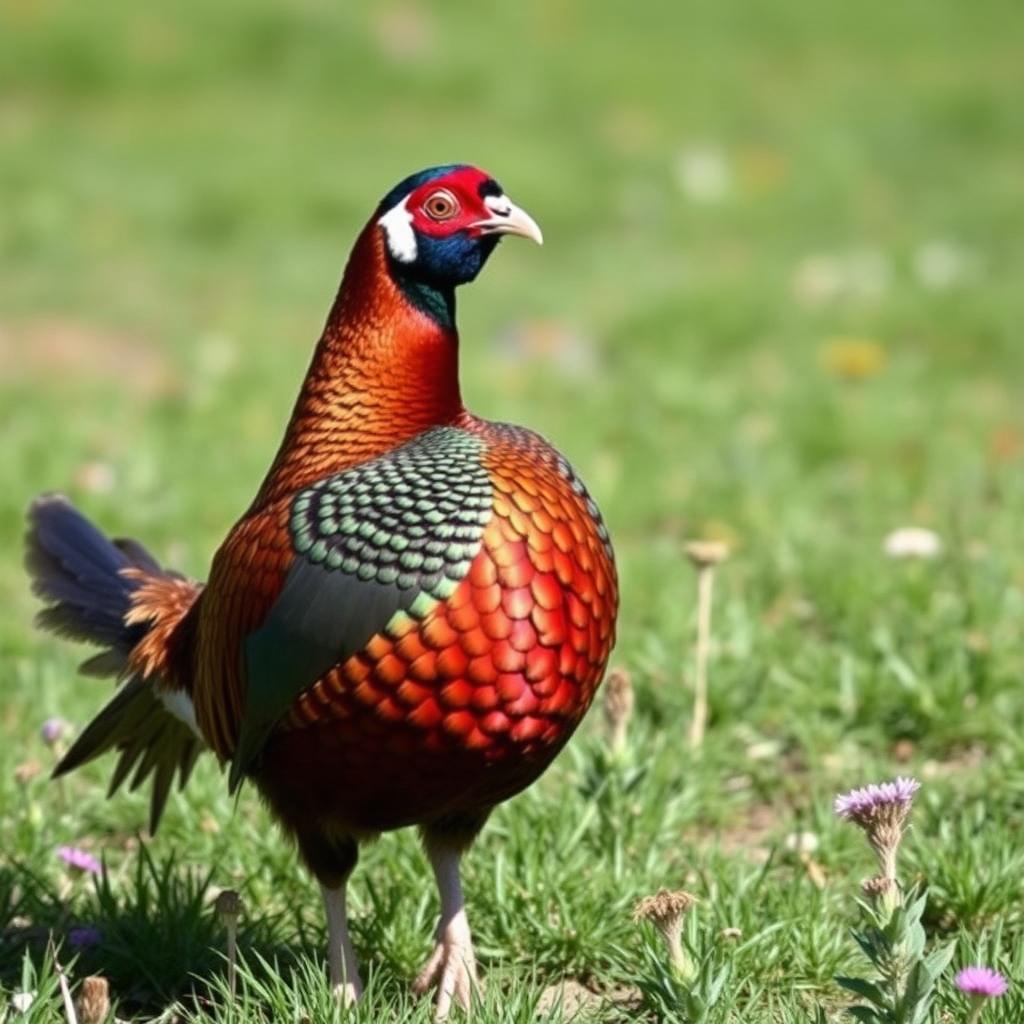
(749, 835)
(56, 349)
(573, 1001)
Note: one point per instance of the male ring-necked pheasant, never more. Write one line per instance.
(409, 621)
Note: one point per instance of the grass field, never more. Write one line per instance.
(780, 304)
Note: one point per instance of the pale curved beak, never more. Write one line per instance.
(508, 219)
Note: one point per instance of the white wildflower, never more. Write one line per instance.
(912, 542)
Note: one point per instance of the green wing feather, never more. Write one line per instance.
(393, 535)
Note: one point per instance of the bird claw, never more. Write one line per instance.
(452, 969)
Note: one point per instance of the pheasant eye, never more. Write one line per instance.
(441, 206)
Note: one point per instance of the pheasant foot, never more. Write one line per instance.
(451, 968)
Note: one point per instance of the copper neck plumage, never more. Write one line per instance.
(383, 371)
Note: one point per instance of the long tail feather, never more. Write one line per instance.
(91, 584)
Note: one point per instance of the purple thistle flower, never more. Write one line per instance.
(881, 811)
(79, 861)
(52, 731)
(981, 982)
(860, 804)
(84, 936)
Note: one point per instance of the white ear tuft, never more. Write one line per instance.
(498, 204)
(397, 225)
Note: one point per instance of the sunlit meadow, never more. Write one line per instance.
(779, 308)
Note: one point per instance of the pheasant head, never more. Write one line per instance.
(440, 226)
(386, 367)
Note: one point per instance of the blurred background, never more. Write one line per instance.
(779, 304)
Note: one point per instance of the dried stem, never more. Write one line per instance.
(65, 988)
(705, 555)
(705, 589)
(618, 709)
(229, 907)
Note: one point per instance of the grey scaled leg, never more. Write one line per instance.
(452, 965)
(341, 957)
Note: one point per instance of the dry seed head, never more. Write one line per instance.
(882, 892)
(705, 553)
(93, 1001)
(875, 888)
(229, 905)
(618, 705)
(25, 772)
(618, 696)
(665, 909)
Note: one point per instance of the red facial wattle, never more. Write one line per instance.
(467, 200)
(462, 189)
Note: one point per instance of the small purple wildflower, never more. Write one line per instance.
(982, 982)
(52, 731)
(79, 861)
(84, 936)
(861, 804)
(881, 811)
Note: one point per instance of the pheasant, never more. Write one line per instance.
(409, 621)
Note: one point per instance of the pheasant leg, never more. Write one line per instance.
(341, 957)
(452, 965)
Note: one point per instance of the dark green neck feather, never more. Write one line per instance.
(437, 301)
